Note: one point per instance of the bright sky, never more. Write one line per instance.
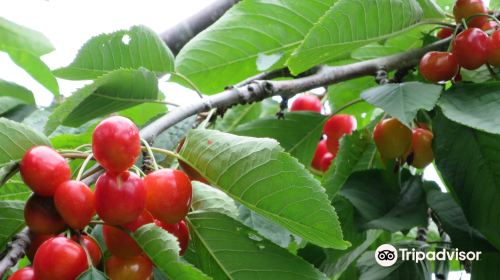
(70, 23)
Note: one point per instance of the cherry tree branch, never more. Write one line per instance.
(177, 36)
(258, 90)
(15, 251)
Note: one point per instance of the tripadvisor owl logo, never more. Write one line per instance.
(387, 255)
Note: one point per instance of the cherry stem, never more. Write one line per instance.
(84, 246)
(482, 15)
(138, 171)
(82, 168)
(83, 146)
(345, 106)
(191, 84)
(73, 154)
(165, 152)
(97, 222)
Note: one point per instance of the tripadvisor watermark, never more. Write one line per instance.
(387, 255)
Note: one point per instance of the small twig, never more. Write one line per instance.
(15, 251)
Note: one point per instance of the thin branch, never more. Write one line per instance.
(15, 251)
(177, 36)
(261, 89)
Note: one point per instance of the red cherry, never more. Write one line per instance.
(92, 247)
(59, 258)
(136, 268)
(392, 138)
(494, 49)
(26, 273)
(321, 150)
(421, 148)
(464, 9)
(333, 145)
(41, 215)
(470, 48)
(307, 102)
(116, 144)
(169, 193)
(43, 170)
(75, 202)
(119, 198)
(119, 242)
(36, 241)
(438, 66)
(326, 161)
(444, 33)
(179, 230)
(339, 125)
(489, 25)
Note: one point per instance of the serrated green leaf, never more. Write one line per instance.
(115, 91)
(473, 105)
(11, 219)
(357, 152)
(138, 47)
(298, 132)
(469, 161)
(208, 198)
(92, 274)
(403, 101)
(16, 139)
(19, 37)
(227, 249)
(349, 24)
(453, 220)
(163, 250)
(35, 67)
(261, 176)
(252, 37)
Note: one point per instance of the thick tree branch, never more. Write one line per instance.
(261, 89)
(15, 251)
(177, 36)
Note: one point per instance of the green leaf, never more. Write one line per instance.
(494, 4)
(298, 133)
(144, 113)
(469, 162)
(241, 114)
(37, 69)
(487, 267)
(8, 89)
(403, 101)
(349, 24)
(431, 9)
(357, 152)
(227, 249)
(11, 219)
(473, 105)
(252, 37)
(170, 138)
(138, 47)
(265, 227)
(261, 176)
(453, 220)
(92, 274)
(163, 250)
(381, 204)
(22, 38)
(342, 93)
(14, 190)
(207, 198)
(16, 139)
(118, 90)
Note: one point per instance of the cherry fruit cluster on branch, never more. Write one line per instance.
(333, 130)
(470, 49)
(60, 210)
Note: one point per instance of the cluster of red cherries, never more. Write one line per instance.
(470, 49)
(122, 200)
(334, 128)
